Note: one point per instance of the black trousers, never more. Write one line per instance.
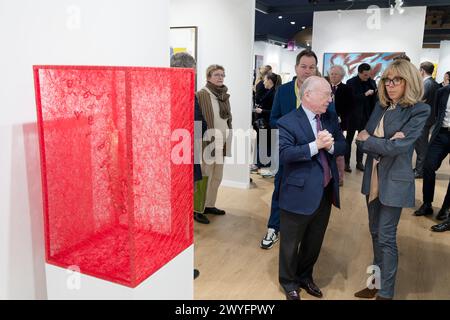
(438, 149)
(301, 241)
(349, 140)
(421, 146)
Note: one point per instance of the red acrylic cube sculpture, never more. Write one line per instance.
(116, 205)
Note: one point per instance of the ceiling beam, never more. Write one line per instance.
(325, 5)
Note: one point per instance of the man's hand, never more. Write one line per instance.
(363, 136)
(258, 110)
(324, 140)
(398, 135)
(369, 92)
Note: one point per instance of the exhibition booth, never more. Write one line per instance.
(83, 230)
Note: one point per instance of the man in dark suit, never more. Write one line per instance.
(287, 98)
(430, 88)
(344, 104)
(364, 93)
(310, 140)
(185, 60)
(438, 149)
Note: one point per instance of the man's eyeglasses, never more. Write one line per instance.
(396, 81)
(218, 75)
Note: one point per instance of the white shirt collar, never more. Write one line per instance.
(311, 115)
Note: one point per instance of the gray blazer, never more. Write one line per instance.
(395, 173)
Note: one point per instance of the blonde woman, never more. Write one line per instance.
(388, 183)
(214, 102)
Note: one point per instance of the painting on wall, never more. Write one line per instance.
(183, 39)
(350, 61)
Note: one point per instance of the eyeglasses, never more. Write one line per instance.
(218, 75)
(396, 81)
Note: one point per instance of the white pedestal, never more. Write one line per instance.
(174, 281)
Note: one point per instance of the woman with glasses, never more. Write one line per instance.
(388, 182)
(214, 102)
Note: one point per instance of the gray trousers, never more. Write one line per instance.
(383, 222)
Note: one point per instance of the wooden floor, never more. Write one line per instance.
(233, 266)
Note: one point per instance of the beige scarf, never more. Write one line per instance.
(204, 100)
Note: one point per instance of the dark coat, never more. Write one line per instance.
(440, 106)
(430, 87)
(363, 105)
(265, 104)
(198, 117)
(302, 179)
(344, 104)
(260, 92)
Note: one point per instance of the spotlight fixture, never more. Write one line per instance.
(292, 22)
(280, 17)
(303, 28)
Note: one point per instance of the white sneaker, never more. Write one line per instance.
(270, 239)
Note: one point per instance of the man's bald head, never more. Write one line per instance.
(315, 94)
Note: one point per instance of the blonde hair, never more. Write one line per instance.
(213, 68)
(413, 83)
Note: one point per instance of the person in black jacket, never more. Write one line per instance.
(344, 105)
(185, 60)
(262, 110)
(437, 151)
(364, 93)
(430, 88)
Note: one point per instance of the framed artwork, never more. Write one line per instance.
(259, 60)
(350, 61)
(183, 39)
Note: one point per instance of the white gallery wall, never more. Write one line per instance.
(429, 54)
(225, 37)
(73, 32)
(444, 60)
(373, 31)
(281, 59)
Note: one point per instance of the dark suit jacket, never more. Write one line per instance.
(302, 179)
(284, 102)
(395, 173)
(430, 87)
(344, 104)
(363, 105)
(440, 106)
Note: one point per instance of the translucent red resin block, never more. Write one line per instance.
(115, 204)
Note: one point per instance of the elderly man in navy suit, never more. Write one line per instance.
(310, 141)
(287, 98)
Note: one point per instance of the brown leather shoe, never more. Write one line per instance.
(382, 298)
(366, 293)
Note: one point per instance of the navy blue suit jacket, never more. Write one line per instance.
(302, 180)
(284, 102)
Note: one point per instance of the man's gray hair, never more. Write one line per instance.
(305, 86)
(309, 84)
(339, 67)
(182, 60)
